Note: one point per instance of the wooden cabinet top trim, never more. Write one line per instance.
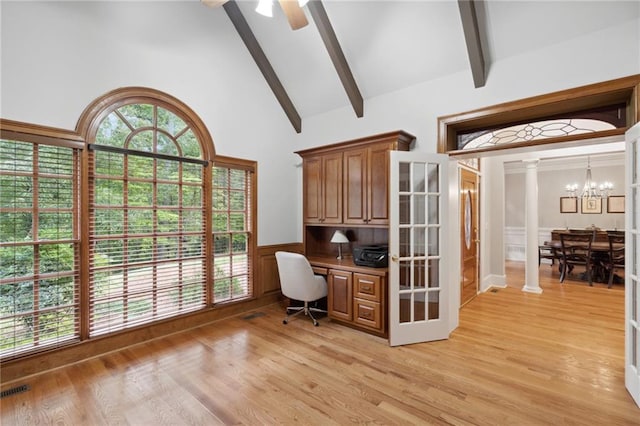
(403, 139)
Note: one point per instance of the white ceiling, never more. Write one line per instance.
(391, 45)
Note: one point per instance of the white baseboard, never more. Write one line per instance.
(498, 281)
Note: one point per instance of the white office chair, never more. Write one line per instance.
(298, 282)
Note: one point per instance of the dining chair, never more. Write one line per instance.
(298, 282)
(615, 257)
(547, 252)
(575, 249)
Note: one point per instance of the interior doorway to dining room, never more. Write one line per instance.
(560, 209)
(605, 113)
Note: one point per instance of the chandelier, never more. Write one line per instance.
(590, 188)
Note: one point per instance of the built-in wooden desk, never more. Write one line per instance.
(357, 295)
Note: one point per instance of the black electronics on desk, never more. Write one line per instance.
(374, 256)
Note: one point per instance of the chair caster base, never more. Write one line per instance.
(285, 322)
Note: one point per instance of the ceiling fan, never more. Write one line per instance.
(292, 9)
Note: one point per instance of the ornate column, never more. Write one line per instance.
(531, 280)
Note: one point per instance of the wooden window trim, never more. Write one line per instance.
(252, 197)
(623, 90)
(19, 131)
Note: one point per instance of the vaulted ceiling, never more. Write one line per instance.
(389, 45)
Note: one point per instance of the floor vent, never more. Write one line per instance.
(494, 290)
(13, 391)
(253, 315)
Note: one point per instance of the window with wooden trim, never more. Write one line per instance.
(157, 244)
(39, 278)
(233, 198)
(147, 219)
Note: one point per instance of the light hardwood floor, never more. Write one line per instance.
(515, 359)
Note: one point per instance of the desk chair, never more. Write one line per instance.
(615, 256)
(576, 250)
(298, 282)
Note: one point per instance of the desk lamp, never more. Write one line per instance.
(339, 238)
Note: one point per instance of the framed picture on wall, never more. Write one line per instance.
(591, 205)
(568, 205)
(615, 204)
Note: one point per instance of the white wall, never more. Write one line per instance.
(59, 56)
(552, 178)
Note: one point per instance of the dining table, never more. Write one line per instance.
(599, 250)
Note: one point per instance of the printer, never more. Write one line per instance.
(374, 256)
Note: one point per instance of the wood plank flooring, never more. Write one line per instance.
(516, 359)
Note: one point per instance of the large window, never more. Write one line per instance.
(39, 301)
(129, 220)
(147, 229)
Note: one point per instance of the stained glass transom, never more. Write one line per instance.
(535, 131)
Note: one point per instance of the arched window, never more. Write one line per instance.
(128, 220)
(147, 221)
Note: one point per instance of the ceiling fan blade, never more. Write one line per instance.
(295, 15)
(214, 3)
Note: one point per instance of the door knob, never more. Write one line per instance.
(394, 258)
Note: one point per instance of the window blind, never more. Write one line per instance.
(39, 263)
(147, 229)
(232, 233)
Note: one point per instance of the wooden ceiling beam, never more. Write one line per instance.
(249, 39)
(328, 35)
(472, 38)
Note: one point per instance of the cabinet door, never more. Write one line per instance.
(378, 184)
(312, 178)
(340, 295)
(355, 182)
(332, 188)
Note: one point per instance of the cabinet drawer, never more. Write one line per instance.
(367, 313)
(319, 270)
(367, 287)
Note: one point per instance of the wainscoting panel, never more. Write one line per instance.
(514, 242)
(267, 279)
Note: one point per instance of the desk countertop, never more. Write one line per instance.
(346, 264)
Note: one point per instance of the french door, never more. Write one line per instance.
(632, 262)
(418, 271)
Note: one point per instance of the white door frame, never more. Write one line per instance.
(632, 264)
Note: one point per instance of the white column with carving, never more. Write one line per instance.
(531, 280)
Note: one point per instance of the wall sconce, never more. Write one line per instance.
(339, 238)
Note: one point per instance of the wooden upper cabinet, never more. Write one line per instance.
(355, 186)
(322, 176)
(348, 182)
(312, 178)
(366, 184)
(332, 188)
